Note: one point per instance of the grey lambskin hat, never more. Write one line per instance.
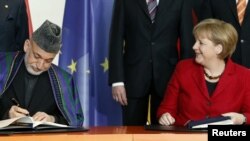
(48, 37)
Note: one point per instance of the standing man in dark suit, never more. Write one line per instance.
(13, 25)
(143, 53)
(227, 10)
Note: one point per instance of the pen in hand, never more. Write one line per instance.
(17, 104)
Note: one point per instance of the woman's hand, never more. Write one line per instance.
(237, 118)
(166, 119)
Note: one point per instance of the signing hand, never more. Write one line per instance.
(166, 119)
(42, 116)
(119, 94)
(16, 111)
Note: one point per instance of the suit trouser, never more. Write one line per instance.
(135, 113)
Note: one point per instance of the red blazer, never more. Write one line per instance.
(186, 97)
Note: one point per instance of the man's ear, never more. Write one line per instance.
(26, 45)
(218, 48)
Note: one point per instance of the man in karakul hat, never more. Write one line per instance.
(38, 87)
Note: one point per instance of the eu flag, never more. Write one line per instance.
(84, 53)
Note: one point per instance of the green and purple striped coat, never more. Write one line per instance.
(64, 90)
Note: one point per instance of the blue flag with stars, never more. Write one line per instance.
(84, 53)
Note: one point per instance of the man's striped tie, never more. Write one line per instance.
(152, 6)
(241, 8)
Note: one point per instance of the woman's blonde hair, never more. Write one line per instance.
(219, 32)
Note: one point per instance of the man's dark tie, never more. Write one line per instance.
(241, 8)
(152, 6)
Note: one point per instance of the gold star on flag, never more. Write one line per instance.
(105, 65)
(72, 66)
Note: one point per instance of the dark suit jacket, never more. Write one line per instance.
(141, 51)
(187, 97)
(13, 25)
(197, 7)
(226, 10)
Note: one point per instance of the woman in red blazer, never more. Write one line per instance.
(211, 84)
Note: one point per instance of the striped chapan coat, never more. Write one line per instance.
(64, 90)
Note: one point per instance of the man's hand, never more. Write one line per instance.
(42, 116)
(166, 119)
(119, 95)
(16, 111)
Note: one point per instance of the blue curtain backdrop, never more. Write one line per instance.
(84, 54)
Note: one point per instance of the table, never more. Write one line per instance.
(111, 133)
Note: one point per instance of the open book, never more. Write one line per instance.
(220, 120)
(28, 123)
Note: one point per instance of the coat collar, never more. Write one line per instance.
(233, 8)
(143, 5)
(225, 79)
(246, 16)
